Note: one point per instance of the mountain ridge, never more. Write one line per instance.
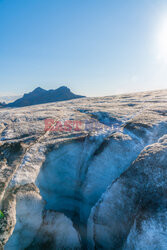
(41, 96)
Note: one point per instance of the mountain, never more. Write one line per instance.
(39, 96)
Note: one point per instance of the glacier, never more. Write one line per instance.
(100, 187)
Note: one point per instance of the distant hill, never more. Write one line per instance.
(39, 96)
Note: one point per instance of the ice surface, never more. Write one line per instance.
(55, 183)
(28, 221)
(135, 203)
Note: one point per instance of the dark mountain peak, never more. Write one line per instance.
(40, 96)
(63, 88)
(38, 90)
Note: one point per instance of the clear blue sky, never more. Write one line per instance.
(96, 47)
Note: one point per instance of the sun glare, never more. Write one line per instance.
(161, 40)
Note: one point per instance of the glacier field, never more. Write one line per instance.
(102, 186)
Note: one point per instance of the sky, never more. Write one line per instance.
(95, 47)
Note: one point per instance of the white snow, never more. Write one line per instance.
(28, 221)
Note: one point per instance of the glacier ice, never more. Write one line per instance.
(94, 188)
